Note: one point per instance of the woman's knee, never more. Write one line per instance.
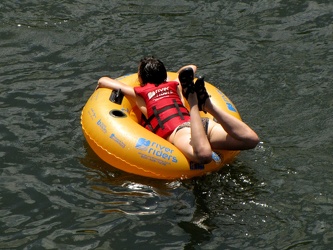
(204, 156)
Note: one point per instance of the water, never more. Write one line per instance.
(272, 58)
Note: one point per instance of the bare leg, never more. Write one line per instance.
(193, 141)
(199, 140)
(236, 135)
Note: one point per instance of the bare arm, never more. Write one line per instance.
(106, 82)
(128, 91)
(187, 66)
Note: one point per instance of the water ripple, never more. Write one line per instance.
(273, 58)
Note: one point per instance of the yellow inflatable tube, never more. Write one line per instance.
(111, 128)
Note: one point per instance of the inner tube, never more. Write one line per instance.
(111, 125)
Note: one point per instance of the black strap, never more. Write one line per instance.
(160, 111)
(157, 116)
(147, 122)
(178, 109)
(167, 119)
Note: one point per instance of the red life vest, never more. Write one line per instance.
(165, 109)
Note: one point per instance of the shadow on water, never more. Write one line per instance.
(204, 208)
(99, 171)
(222, 200)
(272, 58)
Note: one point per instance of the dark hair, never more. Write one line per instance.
(152, 70)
